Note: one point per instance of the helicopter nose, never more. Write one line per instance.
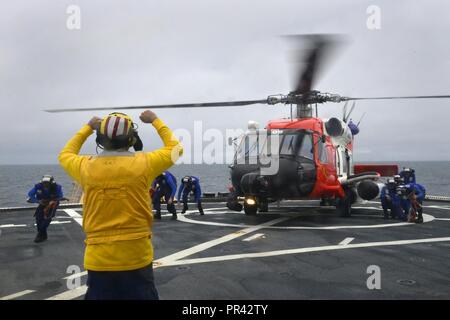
(254, 183)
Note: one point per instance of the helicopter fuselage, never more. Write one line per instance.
(291, 159)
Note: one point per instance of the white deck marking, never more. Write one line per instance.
(209, 244)
(255, 236)
(76, 275)
(442, 219)
(69, 294)
(174, 259)
(346, 241)
(60, 222)
(12, 225)
(25, 225)
(75, 215)
(305, 250)
(16, 295)
(426, 218)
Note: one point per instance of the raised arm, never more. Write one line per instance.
(163, 158)
(68, 157)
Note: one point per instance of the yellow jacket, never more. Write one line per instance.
(117, 216)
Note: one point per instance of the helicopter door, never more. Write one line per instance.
(342, 162)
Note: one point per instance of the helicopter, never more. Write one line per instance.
(314, 156)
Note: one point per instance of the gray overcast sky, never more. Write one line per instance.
(174, 51)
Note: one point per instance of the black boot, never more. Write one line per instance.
(40, 237)
(386, 214)
(200, 209)
(419, 218)
(174, 216)
(185, 207)
(158, 215)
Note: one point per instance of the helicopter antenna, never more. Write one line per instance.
(344, 111)
(361, 119)
(351, 110)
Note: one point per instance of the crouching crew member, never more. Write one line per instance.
(190, 184)
(390, 200)
(48, 194)
(417, 193)
(408, 175)
(412, 196)
(165, 185)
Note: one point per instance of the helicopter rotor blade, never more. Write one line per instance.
(399, 97)
(167, 106)
(307, 75)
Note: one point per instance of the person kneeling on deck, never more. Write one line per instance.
(117, 214)
(165, 185)
(390, 200)
(190, 184)
(412, 196)
(48, 194)
(416, 196)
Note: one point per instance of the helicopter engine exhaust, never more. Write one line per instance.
(368, 189)
(334, 127)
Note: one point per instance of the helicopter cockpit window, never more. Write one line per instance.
(289, 144)
(323, 154)
(306, 150)
(251, 145)
(297, 144)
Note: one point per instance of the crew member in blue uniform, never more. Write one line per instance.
(412, 192)
(190, 184)
(390, 200)
(409, 177)
(165, 185)
(48, 194)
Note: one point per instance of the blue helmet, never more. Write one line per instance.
(408, 175)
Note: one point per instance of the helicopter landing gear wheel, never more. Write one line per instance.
(344, 205)
(250, 210)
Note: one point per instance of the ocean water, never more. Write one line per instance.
(17, 180)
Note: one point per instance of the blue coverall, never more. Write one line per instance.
(420, 192)
(165, 185)
(42, 195)
(390, 201)
(186, 189)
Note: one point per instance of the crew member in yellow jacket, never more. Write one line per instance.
(117, 215)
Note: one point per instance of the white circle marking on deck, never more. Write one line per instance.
(183, 218)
